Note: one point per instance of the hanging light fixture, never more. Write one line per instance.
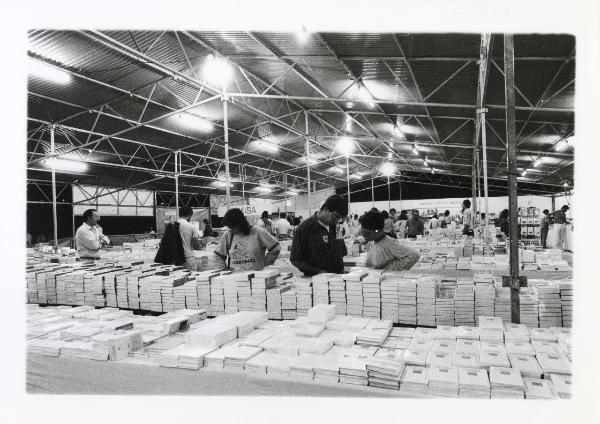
(387, 169)
(345, 146)
(66, 165)
(48, 72)
(303, 34)
(217, 70)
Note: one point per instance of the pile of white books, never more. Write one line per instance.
(216, 359)
(211, 335)
(519, 348)
(550, 310)
(372, 336)
(426, 290)
(274, 300)
(303, 287)
(163, 344)
(536, 388)
(566, 300)
(217, 295)
(48, 347)
(467, 333)
(320, 285)
(445, 332)
(236, 357)
(506, 383)
(529, 307)
(337, 294)
(516, 332)
(321, 313)
(415, 380)
(489, 358)
(439, 359)
(441, 345)
(371, 296)
(564, 341)
(552, 348)
(82, 349)
(258, 363)
(407, 301)
(562, 384)
(116, 344)
(528, 366)
(464, 302)
(485, 294)
(353, 370)
(473, 383)
(444, 303)
(354, 298)
(554, 364)
(502, 303)
(385, 373)
(465, 360)
(443, 381)
(288, 304)
(389, 299)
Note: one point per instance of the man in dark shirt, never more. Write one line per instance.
(316, 248)
(544, 226)
(560, 227)
(415, 225)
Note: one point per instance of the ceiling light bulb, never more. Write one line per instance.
(389, 155)
(565, 184)
(303, 34)
(387, 169)
(537, 163)
(217, 70)
(425, 162)
(66, 165)
(345, 146)
(524, 173)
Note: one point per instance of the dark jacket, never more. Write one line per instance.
(170, 250)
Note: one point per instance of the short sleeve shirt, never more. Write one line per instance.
(468, 218)
(319, 247)
(560, 217)
(188, 232)
(247, 252)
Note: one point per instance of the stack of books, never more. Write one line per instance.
(426, 290)
(439, 359)
(506, 383)
(371, 295)
(288, 304)
(303, 287)
(566, 301)
(536, 388)
(444, 303)
(354, 298)
(211, 335)
(502, 303)
(230, 295)
(407, 301)
(446, 346)
(485, 294)
(562, 384)
(337, 294)
(320, 285)
(321, 313)
(353, 370)
(389, 299)
(385, 373)
(473, 383)
(236, 357)
(445, 332)
(415, 380)
(274, 300)
(217, 295)
(549, 300)
(554, 364)
(464, 302)
(528, 366)
(529, 308)
(443, 381)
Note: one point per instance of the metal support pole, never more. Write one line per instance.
(485, 173)
(53, 165)
(226, 147)
(400, 190)
(176, 185)
(511, 147)
(373, 190)
(553, 203)
(307, 163)
(348, 180)
(389, 197)
(478, 185)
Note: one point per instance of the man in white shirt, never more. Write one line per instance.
(89, 238)
(190, 237)
(282, 226)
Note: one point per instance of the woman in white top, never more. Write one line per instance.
(244, 247)
(265, 222)
(386, 252)
(400, 225)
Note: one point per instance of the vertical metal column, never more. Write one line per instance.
(511, 159)
(485, 172)
(400, 190)
(307, 163)
(53, 167)
(226, 147)
(176, 185)
(348, 179)
(389, 197)
(373, 190)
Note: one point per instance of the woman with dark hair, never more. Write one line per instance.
(400, 225)
(446, 220)
(244, 247)
(386, 252)
(207, 232)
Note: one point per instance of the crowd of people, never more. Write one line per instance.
(318, 243)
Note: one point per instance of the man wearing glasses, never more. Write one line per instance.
(316, 247)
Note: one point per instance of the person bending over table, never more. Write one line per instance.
(316, 247)
(245, 247)
(386, 253)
